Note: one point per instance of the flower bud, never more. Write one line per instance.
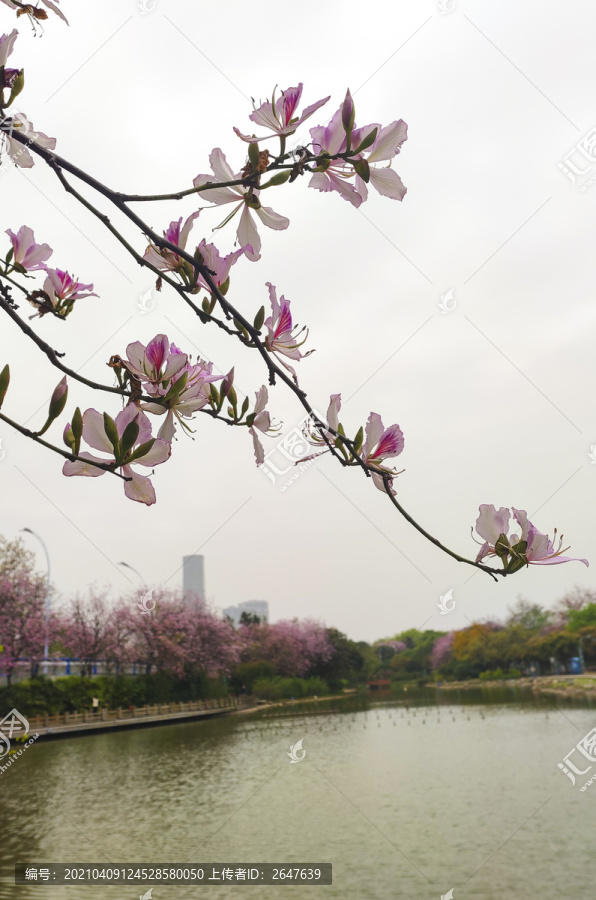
(68, 437)
(17, 86)
(253, 155)
(57, 404)
(112, 433)
(129, 436)
(362, 168)
(348, 113)
(367, 141)
(4, 382)
(77, 429)
(276, 180)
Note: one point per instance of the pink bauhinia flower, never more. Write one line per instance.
(381, 443)
(184, 394)
(27, 253)
(530, 548)
(177, 234)
(157, 362)
(18, 152)
(278, 115)
(135, 445)
(63, 290)
(332, 139)
(218, 265)
(261, 420)
(280, 339)
(246, 199)
(540, 549)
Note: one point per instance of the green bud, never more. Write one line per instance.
(253, 155)
(358, 440)
(205, 305)
(176, 387)
(367, 142)
(17, 86)
(233, 397)
(214, 394)
(276, 180)
(4, 382)
(77, 429)
(250, 419)
(57, 404)
(259, 318)
(141, 450)
(112, 433)
(502, 547)
(362, 168)
(131, 433)
(223, 289)
(244, 407)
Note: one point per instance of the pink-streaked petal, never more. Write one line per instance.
(491, 523)
(132, 413)
(135, 353)
(555, 560)
(333, 411)
(313, 108)
(94, 432)
(186, 228)
(272, 219)
(140, 488)
(175, 363)
(388, 141)
(374, 431)
(387, 183)
(380, 485)
(347, 191)
(76, 467)
(247, 234)
(258, 448)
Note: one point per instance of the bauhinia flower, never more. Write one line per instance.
(184, 394)
(381, 144)
(167, 260)
(218, 265)
(62, 290)
(531, 547)
(246, 198)
(127, 440)
(26, 253)
(381, 443)
(17, 151)
(261, 420)
(278, 115)
(280, 339)
(156, 363)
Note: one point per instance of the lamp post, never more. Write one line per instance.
(132, 568)
(46, 649)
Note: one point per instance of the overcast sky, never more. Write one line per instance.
(496, 397)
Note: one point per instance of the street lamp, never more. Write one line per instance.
(46, 649)
(132, 568)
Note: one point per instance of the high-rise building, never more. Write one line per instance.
(257, 607)
(193, 576)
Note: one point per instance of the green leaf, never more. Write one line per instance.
(367, 142)
(4, 382)
(362, 168)
(142, 450)
(358, 440)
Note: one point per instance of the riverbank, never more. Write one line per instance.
(558, 685)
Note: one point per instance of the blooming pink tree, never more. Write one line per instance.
(22, 622)
(292, 647)
(442, 650)
(159, 379)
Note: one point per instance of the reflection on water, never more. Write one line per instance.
(407, 798)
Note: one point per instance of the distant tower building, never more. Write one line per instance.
(257, 607)
(193, 576)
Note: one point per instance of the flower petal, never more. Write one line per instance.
(76, 467)
(388, 183)
(272, 219)
(140, 488)
(94, 432)
(247, 234)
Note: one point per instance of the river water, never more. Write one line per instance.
(406, 801)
